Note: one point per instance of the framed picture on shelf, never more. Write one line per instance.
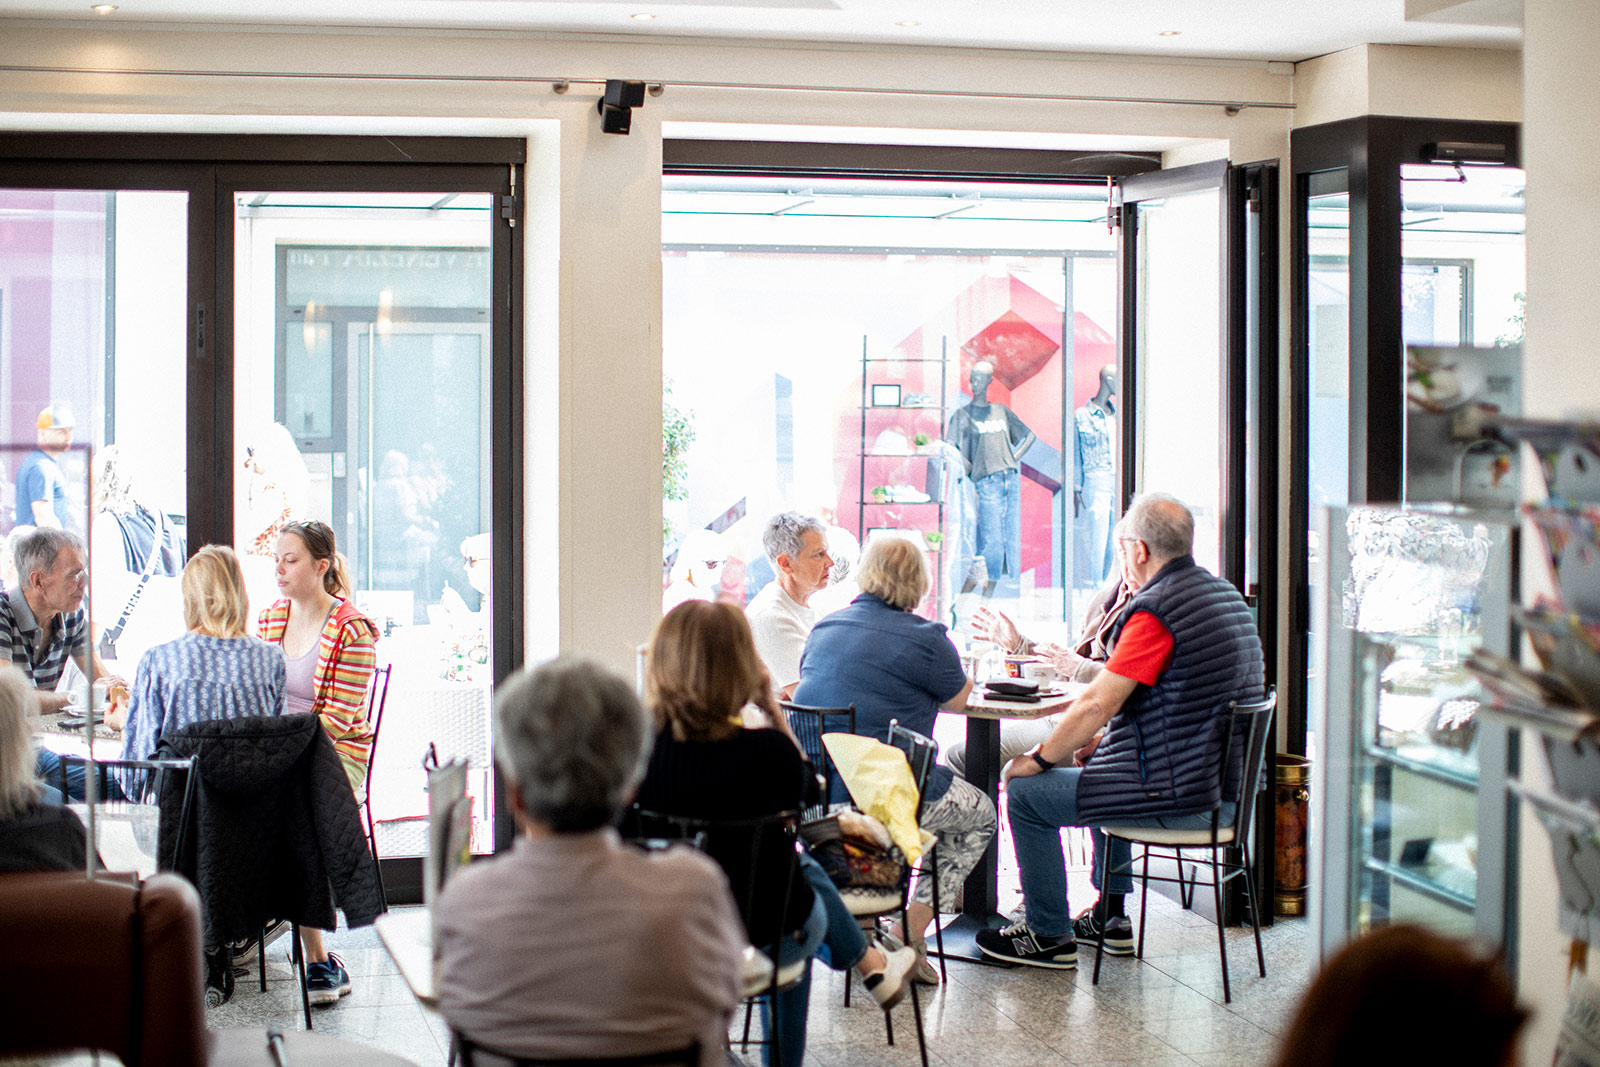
(886, 396)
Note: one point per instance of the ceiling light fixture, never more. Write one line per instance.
(642, 16)
(1170, 33)
(908, 23)
(102, 9)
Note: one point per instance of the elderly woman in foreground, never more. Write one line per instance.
(893, 664)
(33, 836)
(573, 945)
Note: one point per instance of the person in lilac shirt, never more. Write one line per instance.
(215, 671)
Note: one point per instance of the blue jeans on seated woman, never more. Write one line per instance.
(831, 933)
(1037, 807)
(47, 768)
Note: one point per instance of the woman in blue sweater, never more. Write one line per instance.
(215, 671)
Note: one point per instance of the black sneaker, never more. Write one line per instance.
(244, 952)
(1118, 932)
(219, 977)
(1018, 944)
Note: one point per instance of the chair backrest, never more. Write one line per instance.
(377, 696)
(132, 950)
(921, 752)
(745, 849)
(688, 1056)
(144, 780)
(1251, 721)
(809, 724)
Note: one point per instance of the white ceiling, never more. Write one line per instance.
(1224, 29)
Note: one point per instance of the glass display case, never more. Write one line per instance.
(1411, 816)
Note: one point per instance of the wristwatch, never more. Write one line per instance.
(1044, 764)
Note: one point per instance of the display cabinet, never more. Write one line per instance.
(1410, 808)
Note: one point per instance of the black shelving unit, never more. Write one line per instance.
(865, 504)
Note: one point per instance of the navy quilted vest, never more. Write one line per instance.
(1161, 751)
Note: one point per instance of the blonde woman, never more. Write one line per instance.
(893, 664)
(34, 836)
(215, 671)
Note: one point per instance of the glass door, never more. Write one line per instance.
(363, 332)
(1182, 428)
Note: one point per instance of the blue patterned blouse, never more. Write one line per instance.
(197, 678)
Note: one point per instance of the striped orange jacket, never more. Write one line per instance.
(346, 658)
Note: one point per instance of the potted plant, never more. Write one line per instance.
(921, 440)
(934, 539)
(880, 494)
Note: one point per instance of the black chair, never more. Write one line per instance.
(688, 1056)
(868, 911)
(158, 775)
(377, 696)
(271, 838)
(1253, 721)
(727, 841)
(809, 724)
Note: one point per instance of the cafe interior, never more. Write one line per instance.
(447, 275)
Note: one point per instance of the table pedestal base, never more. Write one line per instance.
(960, 940)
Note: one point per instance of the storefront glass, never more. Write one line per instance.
(822, 342)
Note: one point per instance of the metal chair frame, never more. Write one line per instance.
(161, 767)
(699, 833)
(1257, 717)
(464, 1047)
(809, 724)
(377, 697)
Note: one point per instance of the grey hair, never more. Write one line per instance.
(19, 711)
(1163, 522)
(38, 550)
(574, 739)
(786, 530)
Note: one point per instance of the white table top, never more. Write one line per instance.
(408, 935)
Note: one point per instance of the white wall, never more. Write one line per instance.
(1561, 153)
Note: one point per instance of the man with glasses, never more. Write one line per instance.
(1186, 647)
(42, 622)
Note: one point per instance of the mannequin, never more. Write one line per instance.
(992, 440)
(1095, 482)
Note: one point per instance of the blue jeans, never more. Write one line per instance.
(1000, 522)
(830, 932)
(47, 767)
(1037, 808)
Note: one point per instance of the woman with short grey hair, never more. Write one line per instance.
(530, 940)
(785, 532)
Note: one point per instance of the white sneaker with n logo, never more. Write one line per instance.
(1018, 944)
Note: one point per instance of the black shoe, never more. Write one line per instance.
(1118, 932)
(244, 952)
(1018, 944)
(219, 977)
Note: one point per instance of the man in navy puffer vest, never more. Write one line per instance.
(1186, 646)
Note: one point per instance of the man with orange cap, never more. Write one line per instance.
(41, 484)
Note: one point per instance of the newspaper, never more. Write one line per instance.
(1579, 1042)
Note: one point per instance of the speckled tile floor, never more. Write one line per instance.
(1164, 1011)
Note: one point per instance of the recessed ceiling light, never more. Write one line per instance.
(908, 23)
(102, 9)
(1169, 33)
(642, 16)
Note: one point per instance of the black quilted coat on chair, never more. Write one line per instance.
(274, 832)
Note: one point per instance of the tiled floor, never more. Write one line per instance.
(1165, 1011)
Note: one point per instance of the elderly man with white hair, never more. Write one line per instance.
(574, 945)
(780, 615)
(1185, 647)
